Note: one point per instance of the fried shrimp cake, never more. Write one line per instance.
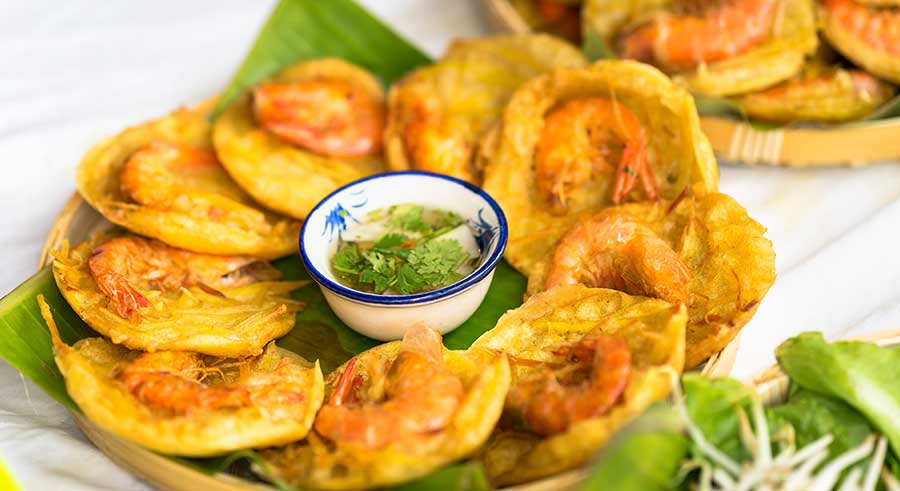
(162, 180)
(704, 252)
(397, 412)
(182, 403)
(303, 133)
(149, 296)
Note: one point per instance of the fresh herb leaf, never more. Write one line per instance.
(446, 219)
(407, 258)
(409, 218)
(437, 260)
(381, 272)
(390, 240)
(348, 260)
(408, 281)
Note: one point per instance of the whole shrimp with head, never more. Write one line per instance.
(416, 395)
(585, 387)
(613, 251)
(581, 138)
(124, 266)
(179, 381)
(694, 32)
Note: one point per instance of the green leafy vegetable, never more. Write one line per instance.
(644, 456)
(713, 404)
(813, 415)
(863, 375)
(467, 476)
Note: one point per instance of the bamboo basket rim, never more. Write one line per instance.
(166, 474)
(736, 141)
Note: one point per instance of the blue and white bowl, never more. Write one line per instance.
(387, 317)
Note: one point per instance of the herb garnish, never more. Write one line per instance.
(409, 257)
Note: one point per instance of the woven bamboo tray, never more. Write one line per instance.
(76, 223)
(736, 141)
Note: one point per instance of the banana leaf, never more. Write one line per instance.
(891, 109)
(296, 30)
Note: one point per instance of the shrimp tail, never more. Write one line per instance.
(345, 384)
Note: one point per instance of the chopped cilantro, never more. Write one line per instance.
(390, 240)
(408, 217)
(410, 257)
(408, 281)
(437, 260)
(347, 260)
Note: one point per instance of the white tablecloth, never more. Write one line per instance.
(74, 72)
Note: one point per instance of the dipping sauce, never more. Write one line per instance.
(405, 249)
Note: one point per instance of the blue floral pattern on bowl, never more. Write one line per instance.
(484, 232)
(339, 216)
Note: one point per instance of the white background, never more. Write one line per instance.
(74, 72)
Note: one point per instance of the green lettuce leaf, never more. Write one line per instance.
(644, 456)
(864, 375)
(713, 405)
(813, 415)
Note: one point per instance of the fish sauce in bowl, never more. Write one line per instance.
(405, 249)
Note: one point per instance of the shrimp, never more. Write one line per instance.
(174, 380)
(171, 380)
(416, 396)
(581, 137)
(436, 147)
(327, 116)
(616, 252)
(588, 388)
(878, 27)
(172, 176)
(125, 265)
(710, 32)
(561, 17)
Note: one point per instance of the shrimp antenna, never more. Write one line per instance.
(48, 319)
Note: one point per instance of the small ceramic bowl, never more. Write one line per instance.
(386, 317)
